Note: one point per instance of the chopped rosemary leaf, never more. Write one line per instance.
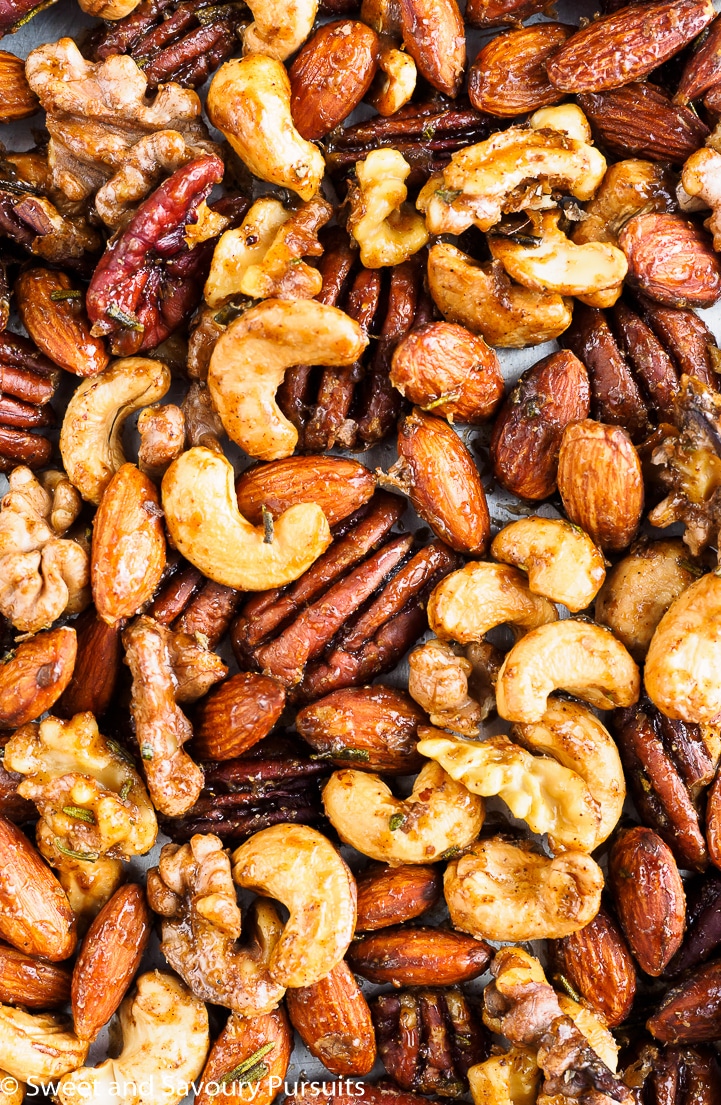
(70, 293)
(78, 813)
(268, 526)
(130, 322)
(88, 857)
(248, 1067)
(125, 789)
(146, 751)
(395, 821)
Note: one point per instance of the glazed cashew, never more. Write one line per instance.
(165, 1042)
(386, 228)
(297, 866)
(280, 27)
(573, 656)
(438, 814)
(91, 435)
(193, 890)
(627, 188)
(505, 891)
(201, 513)
(700, 178)
(681, 675)
(561, 561)
(395, 82)
(38, 1046)
(481, 297)
(550, 797)
(249, 101)
(468, 603)
(250, 359)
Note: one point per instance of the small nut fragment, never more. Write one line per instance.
(52, 310)
(508, 1079)
(338, 485)
(162, 438)
(439, 682)
(280, 27)
(331, 75)
(561, 561)
(395, 82)
(700, 178)
(627, 188)
(386, 228)
(391, 895)
(334, 1022)
(255, 1052)
(18, 100)
(670, 260)
(35, 674)
(35, 917)
(597, 963)
(236, 715)
(470, 602)
(509, 75)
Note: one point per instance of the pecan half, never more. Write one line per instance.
(27, 384)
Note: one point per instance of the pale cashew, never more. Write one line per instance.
(249, 101)
(468, 603)
(280, 27)
(38, 1046)
(165, 1042)
(573, 656)
(505, 891)
(238, 249)
(91, 436)
(700, 178)
(201, 513)
(481, 297)
(548, 796)
(439, 814)
(508, 1079)
(250, 359)
(297, 866)
(395, 81)
(682, 666)
(386, 228)
(573, 735)
(562, 562)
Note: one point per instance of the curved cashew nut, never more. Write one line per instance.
(468, 603)
(249, 101)
(682, 665)
(201, 513)
(573, 656)
(165, 1042)
(91, 435)
(280, 28)
(38, 1046)
(700, 178)
(481, 297)
(438, 815)
(505, 891)
(250, 359)
(395, 82)
(386, 228)
(301, 869)
(562, 562)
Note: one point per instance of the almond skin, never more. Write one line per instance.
(338, 485)
(640, 120)
(331, 75)
(702, 71)
(241, 1039)
(434, 36)
(97, 666)
(128, 552)
(334, 1022)
(36, 675)
(18, 99)
(236, 715)
(108, 959)
(391, 895)
(35, 915)
(419, 957)
(509, 75)
(627, 45)
(372, 728)
(597, 963)
(34, 983)
(59, 327)
(649, 897)
(671, 260)
(690, 1012)
(498, 13)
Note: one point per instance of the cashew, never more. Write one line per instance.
(548, 796)
(165, 1042)
(573, 735)
(38, 1046)
(593, 271)
(505, 891)
(682, 666)
(627, 188)
(91, 436)
(573, 656)
(562, 562)
(468, 603)
(201, 513)
(700, 178)
(249, 101)
(395, 82)
(438, 814)
(508, 1079)
(280, 27)
(250, 359)
(238, 249)
(108, 9)
(639, 590)
(9, 1094)
(386, 228)
(481, 297)
(301, 869)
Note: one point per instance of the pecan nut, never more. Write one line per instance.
(27, 384)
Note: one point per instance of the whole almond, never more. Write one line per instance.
(35, 915)
(434, 36)
(640, 120)
(597, 963)
(128, 550)
(439, 475)
(236, 715)
(108, 959)
(31, 982)
(339, 486)
(391, 895)
(248, 1060)
(690, 1013)
(35, 675)
(97, 666)
(331, 75)
(528, 430)
(334, 1022)
(509, 75)
(419, 957)
(372, 728)
(671, 260)
(649, 897)
(601, 484)
(18, 100)
(628, 44)
(52, 310)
